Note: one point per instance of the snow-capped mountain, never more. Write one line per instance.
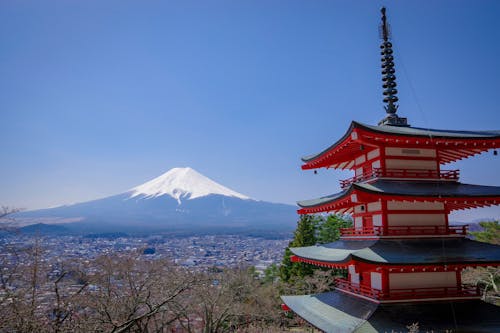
(180, 199)
(183, 183)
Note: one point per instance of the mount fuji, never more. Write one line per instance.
(179, 200)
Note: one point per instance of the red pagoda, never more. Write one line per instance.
(403, 259)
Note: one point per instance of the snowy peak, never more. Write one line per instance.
(180, 183)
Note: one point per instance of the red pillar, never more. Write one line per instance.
(385, 282)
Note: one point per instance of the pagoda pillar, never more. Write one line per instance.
(385, 221)
(458, 273)
(385, 282)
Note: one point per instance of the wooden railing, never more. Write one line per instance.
(409, 293)
(438, 292)
(410, 230)
(402, 173)
(345, 285)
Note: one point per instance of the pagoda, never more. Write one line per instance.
(402, 258)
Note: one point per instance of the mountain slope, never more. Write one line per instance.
(183, 183)
(179, 199)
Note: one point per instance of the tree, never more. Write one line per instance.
(487, 278)
(329, 229)
(234, 299)
(304, 235)
(311, 229)
(271, 274)
(131, 293)
(489, 234)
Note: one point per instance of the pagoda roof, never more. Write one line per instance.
(433, 251)
(454, 145)
(333, 311)
(456, 195)
(339, 312)
(429, 132)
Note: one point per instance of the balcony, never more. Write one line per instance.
(463, 291)
(410, 230)
(402, 173)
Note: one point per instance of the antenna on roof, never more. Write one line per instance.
(388, 77)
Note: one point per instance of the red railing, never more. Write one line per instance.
(409, 293)
(402, 173)
(345, 285)
(438, 292)
(410, 230)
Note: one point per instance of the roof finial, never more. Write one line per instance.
(388, 77)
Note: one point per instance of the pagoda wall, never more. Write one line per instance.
(372, 210)
(414, 152)
(415, 219)
(391, 163)
(366, 162)
(404, 213)
(417, 205)
(410, 158)
(422, 280)
(400, 213)
(396, 158)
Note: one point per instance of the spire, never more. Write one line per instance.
(388, 77)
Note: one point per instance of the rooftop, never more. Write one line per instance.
(339, 312)
(469, 142)
(424, 190)
(404, 251)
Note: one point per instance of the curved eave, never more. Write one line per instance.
(429, 133)
(400, 252)
(455, 196)
(340, 151)
(332, 311)
(340, 312)
(452, 145)
(339, 202)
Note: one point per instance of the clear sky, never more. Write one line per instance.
(98, 96)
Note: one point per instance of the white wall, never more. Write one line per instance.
(377, 220)
(376, 280)
(373, 154)
(374, 206)
(360, 209)
(405, 205)
(395, 151)
(353, 274)
(410, 164)
(422, 280)
(360, 159)
(416, 219)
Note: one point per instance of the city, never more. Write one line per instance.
(196, 252)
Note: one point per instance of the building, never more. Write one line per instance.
(402, 257)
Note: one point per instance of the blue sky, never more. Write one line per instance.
(99, 96)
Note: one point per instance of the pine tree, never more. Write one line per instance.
(329, 229)
(490, 232)
(304, 235)
(311, 229)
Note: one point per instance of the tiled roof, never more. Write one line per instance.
(403, 131)
(404, 251)
(339, 312)
(411, 188)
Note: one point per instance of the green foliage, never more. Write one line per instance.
(252, 272)
(329, 229)
(487, 278)
(489, 234)
(311, 229)
(304, 235)
(271, 274)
